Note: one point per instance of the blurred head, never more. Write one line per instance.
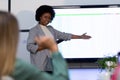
(8, 42)
(42, 10)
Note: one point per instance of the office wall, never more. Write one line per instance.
(20, 5)
(4, 5)
(63, 2)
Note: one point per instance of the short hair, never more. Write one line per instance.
(44, 9)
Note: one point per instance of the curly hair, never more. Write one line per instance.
(44, 9)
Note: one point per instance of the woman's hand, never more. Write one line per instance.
(47, 43)
(84, 36)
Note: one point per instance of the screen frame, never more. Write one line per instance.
(84, 60)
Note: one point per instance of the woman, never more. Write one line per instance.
(40, 57)
(18, 69)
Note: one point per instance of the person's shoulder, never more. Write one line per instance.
(49, 26)
(34, 28)
(22, 64)
(24, 68)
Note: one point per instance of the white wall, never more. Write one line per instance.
(4, 5)
(18, 5)
(63, 2)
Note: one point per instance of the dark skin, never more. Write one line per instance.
(45, 19)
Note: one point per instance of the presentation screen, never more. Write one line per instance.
(102, 24)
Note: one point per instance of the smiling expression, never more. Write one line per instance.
(45, 19)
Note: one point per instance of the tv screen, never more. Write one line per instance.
(103, 24)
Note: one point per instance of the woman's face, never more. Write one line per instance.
(45, 19)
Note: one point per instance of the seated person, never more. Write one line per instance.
(116, 74)
(18, 69)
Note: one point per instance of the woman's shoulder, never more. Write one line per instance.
(20, 62)
(23, 65)
(35, 27)
(24, 68)
(49, 26)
